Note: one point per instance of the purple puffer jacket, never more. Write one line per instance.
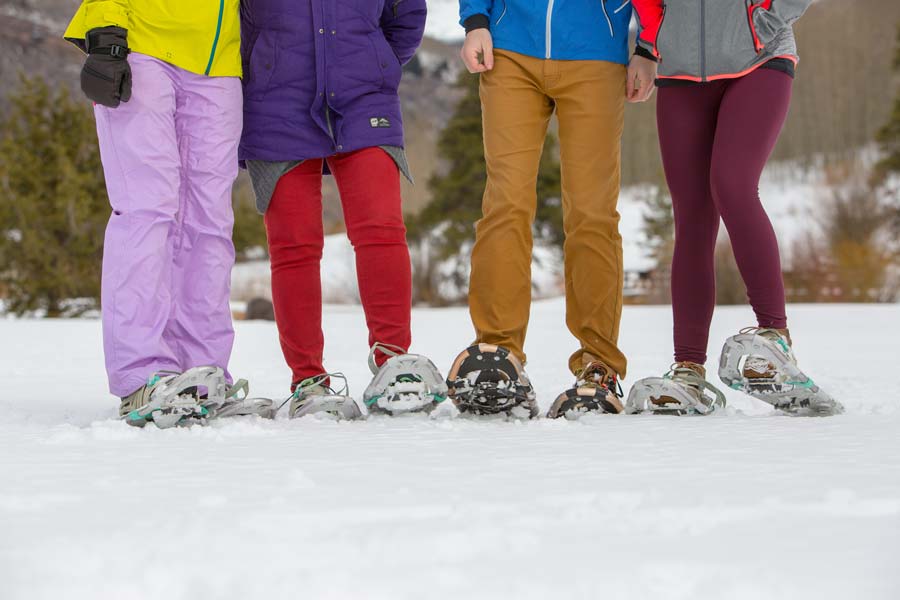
(321, 76)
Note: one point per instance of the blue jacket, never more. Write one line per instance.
(557, 29)
(321, 76)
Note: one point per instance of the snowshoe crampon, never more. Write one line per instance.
(316, 396)
(681, 391)
(489, 380)
(761, 363)
(405, 383)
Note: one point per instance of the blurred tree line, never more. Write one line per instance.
(53, 205)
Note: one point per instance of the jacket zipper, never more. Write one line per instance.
(212, 53)
(703, 40)
(549, 29)
(502, 13)
(612, 33)
(396, 10)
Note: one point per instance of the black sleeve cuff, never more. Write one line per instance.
(477, 22)
(644, 53)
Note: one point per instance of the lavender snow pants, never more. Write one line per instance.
(170, 159)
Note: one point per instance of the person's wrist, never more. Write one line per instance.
(476, 22)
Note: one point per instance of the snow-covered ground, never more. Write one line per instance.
(745, 505)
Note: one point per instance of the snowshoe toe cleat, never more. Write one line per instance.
(489, 380)
(761, 362)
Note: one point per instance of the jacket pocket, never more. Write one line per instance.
(388, 63)
(260, 64)
(754, 37)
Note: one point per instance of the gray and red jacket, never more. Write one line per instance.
(705, 40)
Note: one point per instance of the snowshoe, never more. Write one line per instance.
(760, 362)
(168, 399)
(489, 380)
(317, 396)
(596, 390)
(171, 399)
(237, 403)
(405, 383)
(684, 390)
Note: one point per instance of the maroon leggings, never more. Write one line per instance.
(716, 138)
(369, 184)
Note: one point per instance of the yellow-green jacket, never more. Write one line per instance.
(201, 36)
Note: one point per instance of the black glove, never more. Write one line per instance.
(106, 76)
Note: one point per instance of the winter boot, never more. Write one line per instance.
(315, 395)
(684, 390)
(760, 362)
(489, 380)
(404, 383)
(596, 389)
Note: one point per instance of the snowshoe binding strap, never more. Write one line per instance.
(388, 350)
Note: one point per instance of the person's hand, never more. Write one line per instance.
(478, 51)
(641, 78)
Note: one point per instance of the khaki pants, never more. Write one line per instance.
(518, 98)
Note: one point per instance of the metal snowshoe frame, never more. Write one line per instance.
(404, 383)
(646, 395)
(335, 402)
(791, 390)
(489, 380)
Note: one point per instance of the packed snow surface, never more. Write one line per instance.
(744, 505)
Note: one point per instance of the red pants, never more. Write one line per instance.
(369, 184)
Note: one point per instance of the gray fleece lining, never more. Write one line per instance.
(264, 175)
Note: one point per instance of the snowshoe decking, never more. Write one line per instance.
(760, 362)
(489, 380)
(595, 391)
(405, 383)
(682, 391)
(317, 396)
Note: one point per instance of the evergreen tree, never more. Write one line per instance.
(446, 227)
(249, 230)
(53, 203)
